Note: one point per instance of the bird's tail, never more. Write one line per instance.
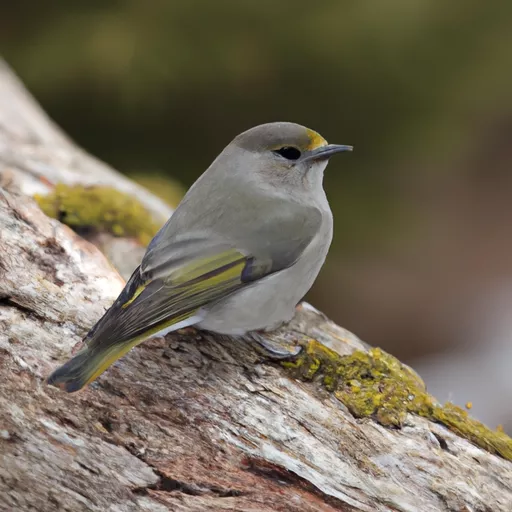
(87, 365)
(97, 355)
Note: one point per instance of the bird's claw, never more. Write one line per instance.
(277, 348)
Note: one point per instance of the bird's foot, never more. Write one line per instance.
(274, 347)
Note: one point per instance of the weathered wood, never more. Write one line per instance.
(191, 422)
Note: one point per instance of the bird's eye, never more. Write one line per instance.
(288, 152)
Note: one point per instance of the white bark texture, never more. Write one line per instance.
(189, 422)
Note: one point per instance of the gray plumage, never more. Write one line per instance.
(241, 250)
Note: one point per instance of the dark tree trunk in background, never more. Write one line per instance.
(189, 422)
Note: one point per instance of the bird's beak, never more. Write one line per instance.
(324, 152)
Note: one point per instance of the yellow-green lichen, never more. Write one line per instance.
(98, 208)
(375, 384)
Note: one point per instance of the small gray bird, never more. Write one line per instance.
(239, 253)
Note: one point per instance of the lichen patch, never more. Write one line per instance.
(377, 385)
(99, 209)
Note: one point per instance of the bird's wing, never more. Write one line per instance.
(152, 301)
(180, 276)
(170, 287)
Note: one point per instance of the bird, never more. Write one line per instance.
(237, 255)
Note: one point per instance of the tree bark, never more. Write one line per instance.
(191, 422)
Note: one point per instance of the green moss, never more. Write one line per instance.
(102, 209)
(461, 423)
(375, 384)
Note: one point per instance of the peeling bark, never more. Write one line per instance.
(191, 422)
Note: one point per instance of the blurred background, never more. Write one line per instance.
(421, 263)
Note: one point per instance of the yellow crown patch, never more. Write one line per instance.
(315, 140)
